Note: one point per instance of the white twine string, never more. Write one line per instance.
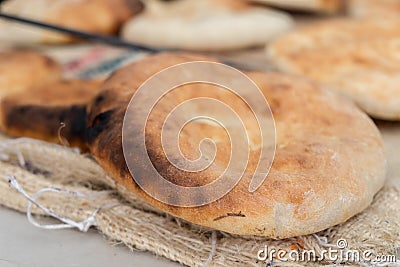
(82, 226)
(213, 248)
(323, 241)
(7, 146)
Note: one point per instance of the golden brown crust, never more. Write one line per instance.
(343, 55)
(39, 111)
(22, 69)
(329, 160)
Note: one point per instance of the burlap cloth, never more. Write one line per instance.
(141, 227)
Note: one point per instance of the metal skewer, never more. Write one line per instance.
(110, 40)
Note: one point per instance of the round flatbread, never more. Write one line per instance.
(20, 70)
(54, 112)
(94, 16)
(205, 25)
(329, 159)
(357, 57)
(372, 8)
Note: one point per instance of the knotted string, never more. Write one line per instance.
(66, 223)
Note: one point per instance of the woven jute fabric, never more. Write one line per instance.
(37, 165)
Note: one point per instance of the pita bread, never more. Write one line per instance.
(22, 69)
(204, 25)
(321, 6)
(374, 8)
(365, 69)
(328, 165)
(39, 111)
(95, 16)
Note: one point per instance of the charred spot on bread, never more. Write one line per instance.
(32, 118)
(98, 125)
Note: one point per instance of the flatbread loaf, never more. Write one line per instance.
(205, 25)
(54, 112)
(22, 69)
(357, 57)
(374, 8)
(95, 16)
(320, 6)
(329, 159)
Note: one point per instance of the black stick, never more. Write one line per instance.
(110, 40)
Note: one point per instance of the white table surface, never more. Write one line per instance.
(24, 245)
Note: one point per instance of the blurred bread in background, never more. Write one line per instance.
(374, 8)
(319, 6)
(95, 16)
(21, 69)
(359, 58)
(206, 25)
